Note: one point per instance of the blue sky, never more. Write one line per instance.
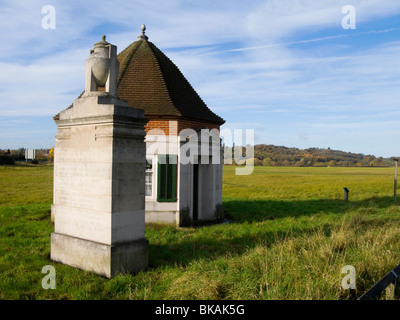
(285, 68)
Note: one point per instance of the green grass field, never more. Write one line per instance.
(292, 235)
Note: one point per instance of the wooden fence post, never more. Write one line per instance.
(346, 194)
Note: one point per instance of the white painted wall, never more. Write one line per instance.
(210, 178)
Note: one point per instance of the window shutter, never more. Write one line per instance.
(167, 176)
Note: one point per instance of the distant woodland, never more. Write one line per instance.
(8, 156)
(270, 155)
(264, 155)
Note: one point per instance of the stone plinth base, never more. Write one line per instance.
(106, 260)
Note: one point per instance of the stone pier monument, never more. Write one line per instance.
(99, 173)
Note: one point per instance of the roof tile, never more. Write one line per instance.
(149, 80)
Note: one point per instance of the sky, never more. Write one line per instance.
(289, 69)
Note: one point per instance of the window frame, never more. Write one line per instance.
(153, 171)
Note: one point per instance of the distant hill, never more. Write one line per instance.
(270, 155)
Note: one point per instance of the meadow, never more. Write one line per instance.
(292, 233)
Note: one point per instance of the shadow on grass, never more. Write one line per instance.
(260, 210)
(211, 243)
(208, 247)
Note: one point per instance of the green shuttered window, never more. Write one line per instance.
(166, 187)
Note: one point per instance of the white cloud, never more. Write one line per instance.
(44, 87)
(275, 19)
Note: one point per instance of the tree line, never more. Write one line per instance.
(264, 155)
(9, 156)
(271, 155)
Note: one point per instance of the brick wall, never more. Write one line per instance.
(169, 127)
(196, 124)
(174, 126)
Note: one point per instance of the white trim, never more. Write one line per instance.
(154, 171)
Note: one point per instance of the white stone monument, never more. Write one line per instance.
(99, 172)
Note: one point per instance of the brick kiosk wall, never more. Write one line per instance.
(196, 124)
(164, 125)
(177, 125)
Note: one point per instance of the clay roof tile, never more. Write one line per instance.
(149, 80)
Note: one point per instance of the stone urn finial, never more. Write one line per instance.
(102, 68)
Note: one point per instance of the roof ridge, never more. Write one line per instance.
(126, 48)
(183, 76)
(126, 61)
(162, 78)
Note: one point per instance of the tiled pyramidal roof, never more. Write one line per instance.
(149, 80)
